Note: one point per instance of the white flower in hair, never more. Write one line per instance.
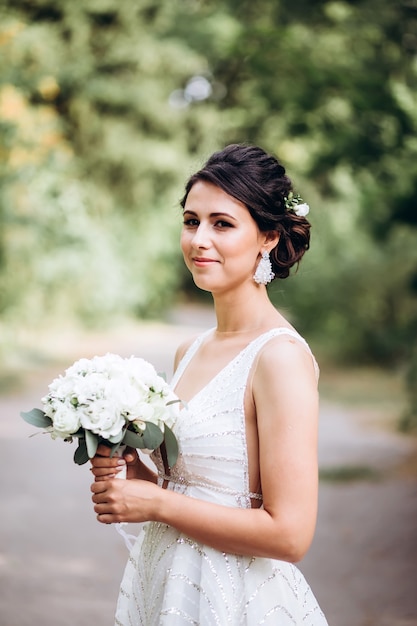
(295, 203)
(301, 209)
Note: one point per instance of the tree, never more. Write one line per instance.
(85, 92)
(139, 93)
(331, 88)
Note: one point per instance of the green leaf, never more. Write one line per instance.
(114, 448)
(173, 401)
(91, 441)
(134, 440)
(152, 436)
(117, 438)
(81, 454)
(36, 417)
(171, 446)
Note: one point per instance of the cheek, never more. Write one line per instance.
(183, 241)
(185, 245)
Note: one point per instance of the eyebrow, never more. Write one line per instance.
(215, 214)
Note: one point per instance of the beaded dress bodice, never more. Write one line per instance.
(172, 580)
(213, 461)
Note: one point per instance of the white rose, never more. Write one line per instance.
(86, 390)
(140, 370)
(157, 410)
(102, 418)
(110, 365)
(60, 388)
(173, 414)
(49, 407)
(172, 410)
(160, 386)
(146, 413)
(80, 368)
(65, 420)
(302, 209)
(134, 405)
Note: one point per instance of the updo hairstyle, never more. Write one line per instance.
(258, 180)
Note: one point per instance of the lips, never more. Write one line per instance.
(202, 261)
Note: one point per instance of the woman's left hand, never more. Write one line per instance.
(125, 500)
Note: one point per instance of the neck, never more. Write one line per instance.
(242, 313)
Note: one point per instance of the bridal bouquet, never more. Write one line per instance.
(110, 400)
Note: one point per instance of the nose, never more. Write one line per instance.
(201, 238)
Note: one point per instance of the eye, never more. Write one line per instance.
(223, 224)
(191, 222)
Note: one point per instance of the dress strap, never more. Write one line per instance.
(260, 341)
(189, 353)
(256, 344)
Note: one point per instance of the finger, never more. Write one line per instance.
(99, 486)
(103, 466)
(102, 479)
(99, 498)
(103, 450)
(131, 458)
(105, 518)
(103, 510)
(101, 472)
(101, 461)
(130, 452)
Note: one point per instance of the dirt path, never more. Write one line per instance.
(58, 567)
(363, 562)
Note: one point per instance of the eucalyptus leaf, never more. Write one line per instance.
(173, 401)
(171, 446)
(114, 448)
(36, 417)
(91, 441)
(134, 440)
(81, 454)
(117, 438)
(152, 436)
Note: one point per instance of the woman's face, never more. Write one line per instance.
(220, 240)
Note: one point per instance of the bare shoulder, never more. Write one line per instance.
(285, 357)
(182, 349)
(284, 385)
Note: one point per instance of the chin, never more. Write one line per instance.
(204, 285)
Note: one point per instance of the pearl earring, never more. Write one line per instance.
(264, 273)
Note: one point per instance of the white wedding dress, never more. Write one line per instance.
(172, 580)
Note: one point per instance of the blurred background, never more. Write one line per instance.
(106, 108)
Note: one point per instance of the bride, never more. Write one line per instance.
(226, 524)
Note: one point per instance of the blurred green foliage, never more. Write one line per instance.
(106, 106)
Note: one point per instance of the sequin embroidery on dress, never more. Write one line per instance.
(171, 580)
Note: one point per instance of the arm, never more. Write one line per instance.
(285, 397)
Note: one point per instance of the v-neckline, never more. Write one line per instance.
(221, 371)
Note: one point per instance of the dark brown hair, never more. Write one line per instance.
(259, 181)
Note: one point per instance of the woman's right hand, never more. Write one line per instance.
(105, 467)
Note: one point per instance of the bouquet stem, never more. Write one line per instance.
(119, 526)
(123, 473)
